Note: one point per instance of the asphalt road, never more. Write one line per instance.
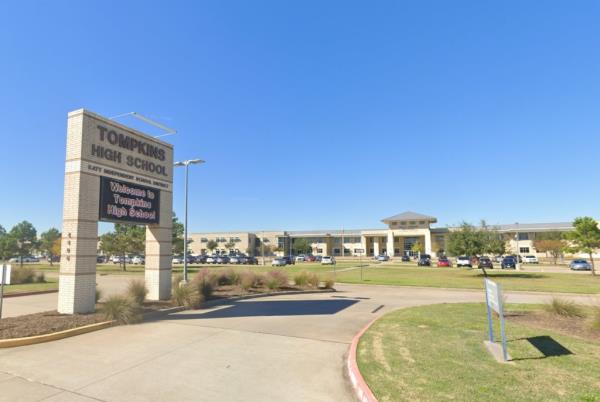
(285, 348)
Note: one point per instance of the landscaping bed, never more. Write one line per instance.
(436, 352)
(48, 322)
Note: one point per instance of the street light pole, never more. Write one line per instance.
(186, 164)
(518, 263)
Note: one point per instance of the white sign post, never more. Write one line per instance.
(360, 252)
(493, 301)
(4, 280)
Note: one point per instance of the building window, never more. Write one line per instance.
(524, 236)
(371, 251)
(336, 251)
(204, 240)
(347, 251)
(523, 249)
(319, 250)
(421, 222)
(396, 251)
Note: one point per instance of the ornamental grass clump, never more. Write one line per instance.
(122, 309)
(98, 295)
(22, 275)
(329, 283)
(313, 280)
(564, 308)
(137, 291)
(276, 280)
(248, 280)
(301, 279)
(205, 282)
(186, 295)
(229, 277)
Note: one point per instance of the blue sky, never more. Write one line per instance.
(316, 114)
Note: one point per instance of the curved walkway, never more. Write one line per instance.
(284, 348)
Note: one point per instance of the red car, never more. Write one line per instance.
(444, 262)
(310, 258)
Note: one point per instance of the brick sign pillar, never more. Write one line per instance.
(117, 174)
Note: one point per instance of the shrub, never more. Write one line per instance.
(276, 280)
(250, 279)
(98, 295)
(313, 280)
(137, 291)
(564, 308)
(40, 277)
(176, 281)
(122, 309)
(22, 275)
(329, 283)
(205, 282)
(229, 277)
(186, 295)
(301, 279)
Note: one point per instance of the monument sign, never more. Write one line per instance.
(117, 174)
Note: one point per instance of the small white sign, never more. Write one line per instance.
(494, 295)
(6, 269)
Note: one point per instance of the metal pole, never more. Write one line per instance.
(517, 263)
(2, 287)
(185, 228)
(489, 312)
(502, 329)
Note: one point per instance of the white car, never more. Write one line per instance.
(178, 259)
(327, 260)
(463, 261)
(138, 259)
(299, 258)
(117, 259)
(530, 259)
(279, 262)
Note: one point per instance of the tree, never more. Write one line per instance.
(302, 246)
(8, 246)
(211, 245)
(550, 243)
(47, 243)
(25, 239)
(229, 245)
(585, 238)
(126, 239)
(417, 247)
(177, 233)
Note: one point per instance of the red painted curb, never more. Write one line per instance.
(362, 390)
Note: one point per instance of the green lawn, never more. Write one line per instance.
(436, 352)
(406, 275)
(30, 287)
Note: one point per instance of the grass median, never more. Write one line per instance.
(403, 275)
(434, 353)
(30, 287)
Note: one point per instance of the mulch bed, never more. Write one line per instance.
(234, 290)
(573, 326)
(48, 322)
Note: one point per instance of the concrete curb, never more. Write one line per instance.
(39, 292)
(361, 389)
(31, 340)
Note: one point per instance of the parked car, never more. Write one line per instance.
(299, 258)
(290, 260)
(509, 262)
(328, 260)
(310, 258)
(424, 260)
(279, 262)
(201, 259)
(580, 265)
(211, 259)
(234, 259)
(116, 259)
(54, 258)
(530, 259)
(222, 259)
(178, 259)
(405, 258)
(251, 260)
(101, 259)
(498, 258)
(463, 261)
(383, 258)
(138, 259)
(485, 262)
(26, 259)
(444, 262)
(318, 258)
